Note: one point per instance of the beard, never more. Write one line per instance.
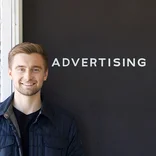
(28, 91)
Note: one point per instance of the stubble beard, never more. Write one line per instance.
(28, 92)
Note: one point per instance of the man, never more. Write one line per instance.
(27, 127)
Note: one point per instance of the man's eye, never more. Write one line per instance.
(20, 69)
(36, 69)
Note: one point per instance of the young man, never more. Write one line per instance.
(27, 127)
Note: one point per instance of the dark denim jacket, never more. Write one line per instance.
(53, 133)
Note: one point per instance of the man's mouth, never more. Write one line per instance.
(28, 84)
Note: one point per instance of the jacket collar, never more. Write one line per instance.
(6, 106)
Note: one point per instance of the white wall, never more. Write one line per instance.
(11, 34)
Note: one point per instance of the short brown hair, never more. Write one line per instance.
(27, 48)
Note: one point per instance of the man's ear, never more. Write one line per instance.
(10, 73)
(46, 75)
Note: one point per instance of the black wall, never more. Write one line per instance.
(115, 107)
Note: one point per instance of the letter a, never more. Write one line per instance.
(55, 63)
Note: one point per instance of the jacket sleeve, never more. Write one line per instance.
(75, 144)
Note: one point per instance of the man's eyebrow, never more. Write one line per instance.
(37, 67)
(19, 66)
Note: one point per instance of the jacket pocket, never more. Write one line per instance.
(6, 145)
(54, 146)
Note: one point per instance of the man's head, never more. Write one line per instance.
(27, 48)
(28, 68)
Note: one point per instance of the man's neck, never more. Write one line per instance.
(27, 104)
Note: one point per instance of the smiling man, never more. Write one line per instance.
(27, 126)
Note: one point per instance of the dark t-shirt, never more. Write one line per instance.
(24, 122)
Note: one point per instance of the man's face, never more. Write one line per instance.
(28, 73)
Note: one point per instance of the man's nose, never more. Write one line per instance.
(28, 75)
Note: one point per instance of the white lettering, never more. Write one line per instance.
(64, 60)
(75, 62)
(102, 61)
(55, 63)
(123, 62)
(109, 62)
(142, 62)
(93, 62)
(116, 62)
(84, 62)
(130, 62)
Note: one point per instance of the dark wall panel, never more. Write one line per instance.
(115, 107)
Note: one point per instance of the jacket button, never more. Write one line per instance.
(6, 115)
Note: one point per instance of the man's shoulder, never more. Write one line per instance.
(5, 104)
(58, 113)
